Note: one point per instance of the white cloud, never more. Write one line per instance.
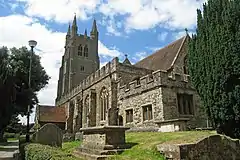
(145, 14)
(104, 50)
(112, 30)
(162, 36)
(180, 34)
(60, 10)
(139, 56)
(50, 43)
(137, 14)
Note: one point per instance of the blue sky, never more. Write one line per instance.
(133, 27)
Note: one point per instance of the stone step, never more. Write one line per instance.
(7, 158)
(100, 152)
(88, 156)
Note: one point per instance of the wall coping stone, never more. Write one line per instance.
(172, 120)
(104, 129)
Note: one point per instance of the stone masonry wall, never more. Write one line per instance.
(158, 89)
(98, 88)
(170, 110)
(215, 147)
(136, 102)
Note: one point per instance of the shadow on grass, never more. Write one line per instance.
(130, 144)
(8, 149)
(9, 143)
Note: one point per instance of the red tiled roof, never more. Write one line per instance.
(51, 114)
(163, 58)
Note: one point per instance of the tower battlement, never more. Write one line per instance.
(100, 74)
(156, 79)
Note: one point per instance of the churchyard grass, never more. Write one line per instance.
(147, 141)
(145, 148)
(12, 139)
(69, 147)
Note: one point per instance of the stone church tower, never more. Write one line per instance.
(80, 58)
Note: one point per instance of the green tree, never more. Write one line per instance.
(214, 63)
(15, 93)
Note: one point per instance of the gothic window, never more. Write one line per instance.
(147, 112)
(85, 51)
(185, 104)
(80, 50)
(185, 69)
(103, 103)
(129, 115)
(81, 68)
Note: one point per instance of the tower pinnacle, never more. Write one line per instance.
(85, 33)
(74, 26)
(94, 31)
(94, 27)
(186, 30)
(69, 30)
(74, 20)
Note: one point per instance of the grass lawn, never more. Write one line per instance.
(12, 139)
(68, 147)
(145, 148)
(147, 141)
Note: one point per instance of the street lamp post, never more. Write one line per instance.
(32, 44)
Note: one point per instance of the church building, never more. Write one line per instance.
(153, 94)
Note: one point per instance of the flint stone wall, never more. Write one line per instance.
(215, 147)
(49, 134)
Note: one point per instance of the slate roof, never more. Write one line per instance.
(51, 114)
(163, 58)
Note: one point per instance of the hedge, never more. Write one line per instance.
(7, 135)
(34, 151)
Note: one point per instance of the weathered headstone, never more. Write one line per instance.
(49, 134)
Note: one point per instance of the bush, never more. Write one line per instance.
(7, 135)
(36, 151)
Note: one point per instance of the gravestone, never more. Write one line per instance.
(49, 134)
